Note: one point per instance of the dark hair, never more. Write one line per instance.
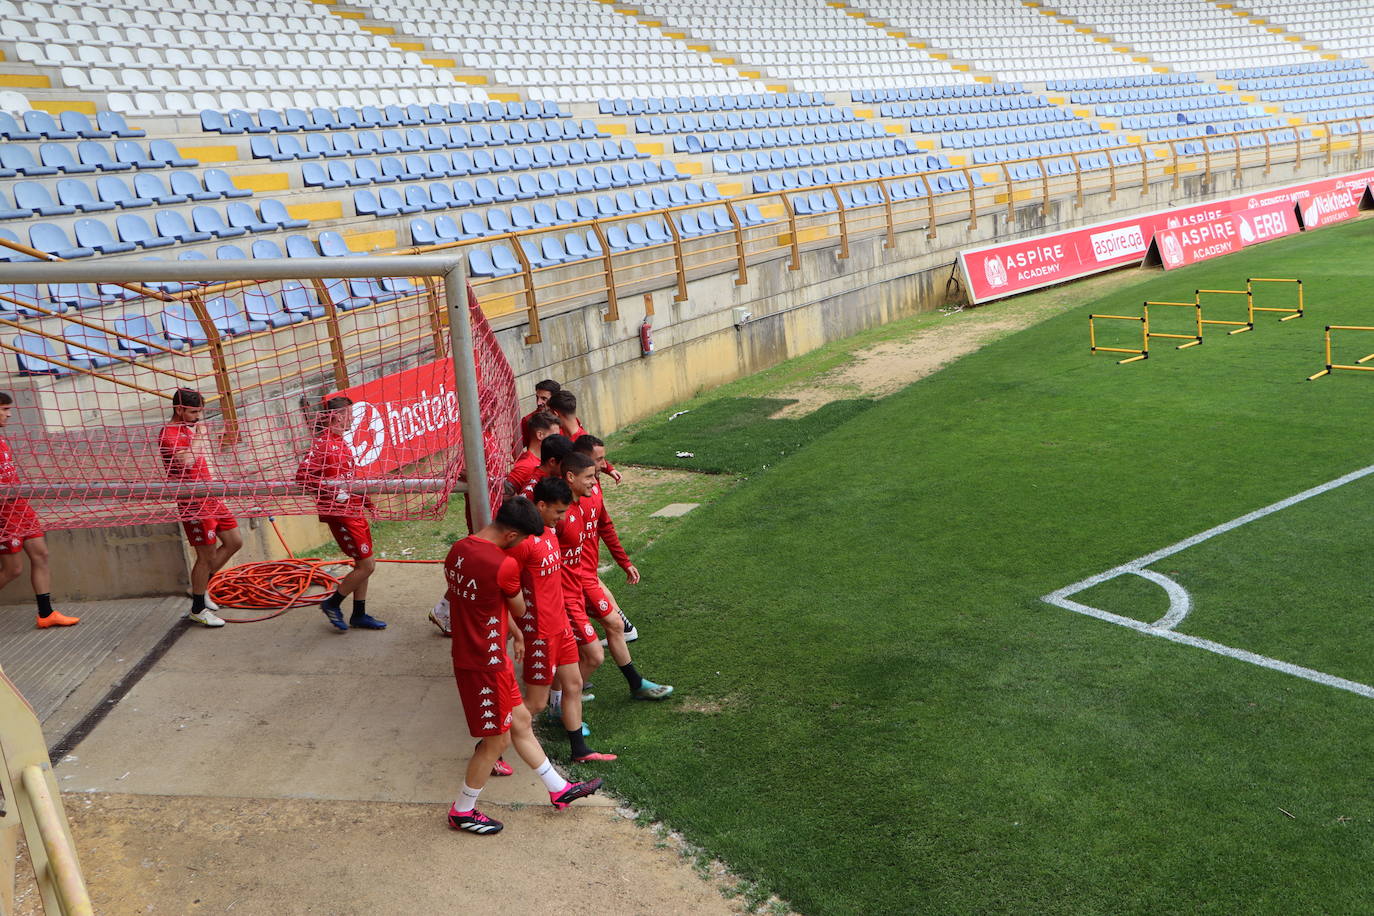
(519, 514)
(337, 402)
(555, 448)
(563, 401)
(5, 398)
(187, 397)
(586, 442)
(543, 420)
(576, 462)
(553, 490)
(548, 385)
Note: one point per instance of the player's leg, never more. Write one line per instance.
(230, 543)
(354, 538)
(600, 608)
(487, 698)
(561, 792)
(569, 680)
(11, 564)
(202, 538)
(631, 633)
(40, 574)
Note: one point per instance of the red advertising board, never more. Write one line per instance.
(1198, 231)
(403, 417)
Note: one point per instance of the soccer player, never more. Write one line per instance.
(551, 452)
(574, 531)
(213, 532)
(539, 425)
(563, 405)
(331, 459)
(598, 595)
(20, 531)
(484, 592)
(550, 651)
(542, 392)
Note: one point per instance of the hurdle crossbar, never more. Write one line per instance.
(1331, 366)
(1240, 326)
(1192, 339)
(1142, 353)
(1289, 313)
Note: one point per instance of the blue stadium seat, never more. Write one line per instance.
(137, 334)
(134, 228)
(298, 299)
(208, 219)
(33, 197)
(113, 122)
(217, 181)
(149, 186)
(16, 300)
(32, 362)
(188, 184)
(87, 348)
(92, 234)
(243, 216)
(230, 319)
(171, 224)
(10, 129)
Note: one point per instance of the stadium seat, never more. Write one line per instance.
(33, 361)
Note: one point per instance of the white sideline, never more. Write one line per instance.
(1180, 603)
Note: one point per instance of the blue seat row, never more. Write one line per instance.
(32, 198)
(1350, 89)
(941, 107)
(1359, 104)
(440, 196)
(821, 155)
(1316, 66)
(1200, 130)
(1041, 148)
(238, 121)
(1195, 103)
(1058, 131)
(918, 93)
(544, 183)
(341, 173)
(90, 156)
(834, 174)
(410, 140)
(73, 125)
(741, 120)
(767, 139)
(1352, 127)
(132, 231)
(1142, 93)
(685, 103)
(1120, 82)
(953, 123)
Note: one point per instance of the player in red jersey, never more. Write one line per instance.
(540, 424)
(20, 532)
(600, 601)
(484, 592)
(331, 459)
(211, 529)
(575, 531)
(551, 452)
(551, 655)
(563, 405)
(542, 392)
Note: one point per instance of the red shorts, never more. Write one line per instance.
(544, 655)
(353, 535)
(488, 698)
(576, 604)
(204, 519)
(598, 602)
(18, 523)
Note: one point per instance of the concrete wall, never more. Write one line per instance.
(698, 346)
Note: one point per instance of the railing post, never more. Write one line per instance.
(972, 200)
(536, 334)
(844, 223)
(1078, 177)
(1236, 138)
(679, 263)
(331, 321)
(930, 206)
(228, 410)
(1044, 186)
(435, 307)
(1268, 154)
(743, 277)
(1011, 195)
(1173, 151)
(792, 231)
(612, 298)
(1144, 169)
(1330, 137)
(1297, 140)
(1111, 177)
(1206, 160)
(1359, 139)
(890, 240)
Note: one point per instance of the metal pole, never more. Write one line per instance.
(465, 382)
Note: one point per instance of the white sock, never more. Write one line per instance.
(556, 699)
(467, 800)
(552, 780)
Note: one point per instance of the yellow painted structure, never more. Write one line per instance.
(325, 209)
(263, 181)
(25, 81)
(371, 241)
(209, 154)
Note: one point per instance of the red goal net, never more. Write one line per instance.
(94, 440)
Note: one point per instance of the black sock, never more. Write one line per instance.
(334, 602)
(632, 675)
(44, 604)
(359, 607)
(579, 743)
(197, 603)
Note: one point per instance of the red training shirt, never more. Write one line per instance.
(177, 437)
(541, 578)
(330, 458)
(524, 468)
(599, 527)
(480, 577)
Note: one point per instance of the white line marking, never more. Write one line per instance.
(1180, 603)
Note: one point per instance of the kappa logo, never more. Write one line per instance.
(488, 715)
(493, 634)
(493, 661)
(494, 647)
(536, 666)
(492, 621)
(366, 436)
(537, 653)
(540, 642)
(1171, 250)
(488, 703)
(995, 272)
(485, 691)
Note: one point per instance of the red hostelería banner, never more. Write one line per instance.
(403, 417)
(1006, 269)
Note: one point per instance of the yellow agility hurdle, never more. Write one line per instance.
(1331, 366)
(1240, 326)
(1193, 339)
(1142, 353)
(1290, 313)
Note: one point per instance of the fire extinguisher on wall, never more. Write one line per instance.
(646, 337)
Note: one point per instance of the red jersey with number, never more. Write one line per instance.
(179, 437)
(330, 458)
(541, 580)
(480, 577)
(523, 470)
(599, 527)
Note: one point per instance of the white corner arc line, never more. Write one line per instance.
(1180, 603)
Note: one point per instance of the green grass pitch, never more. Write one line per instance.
(876, 711)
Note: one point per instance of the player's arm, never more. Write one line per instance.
(508, 581)
(605, 529)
